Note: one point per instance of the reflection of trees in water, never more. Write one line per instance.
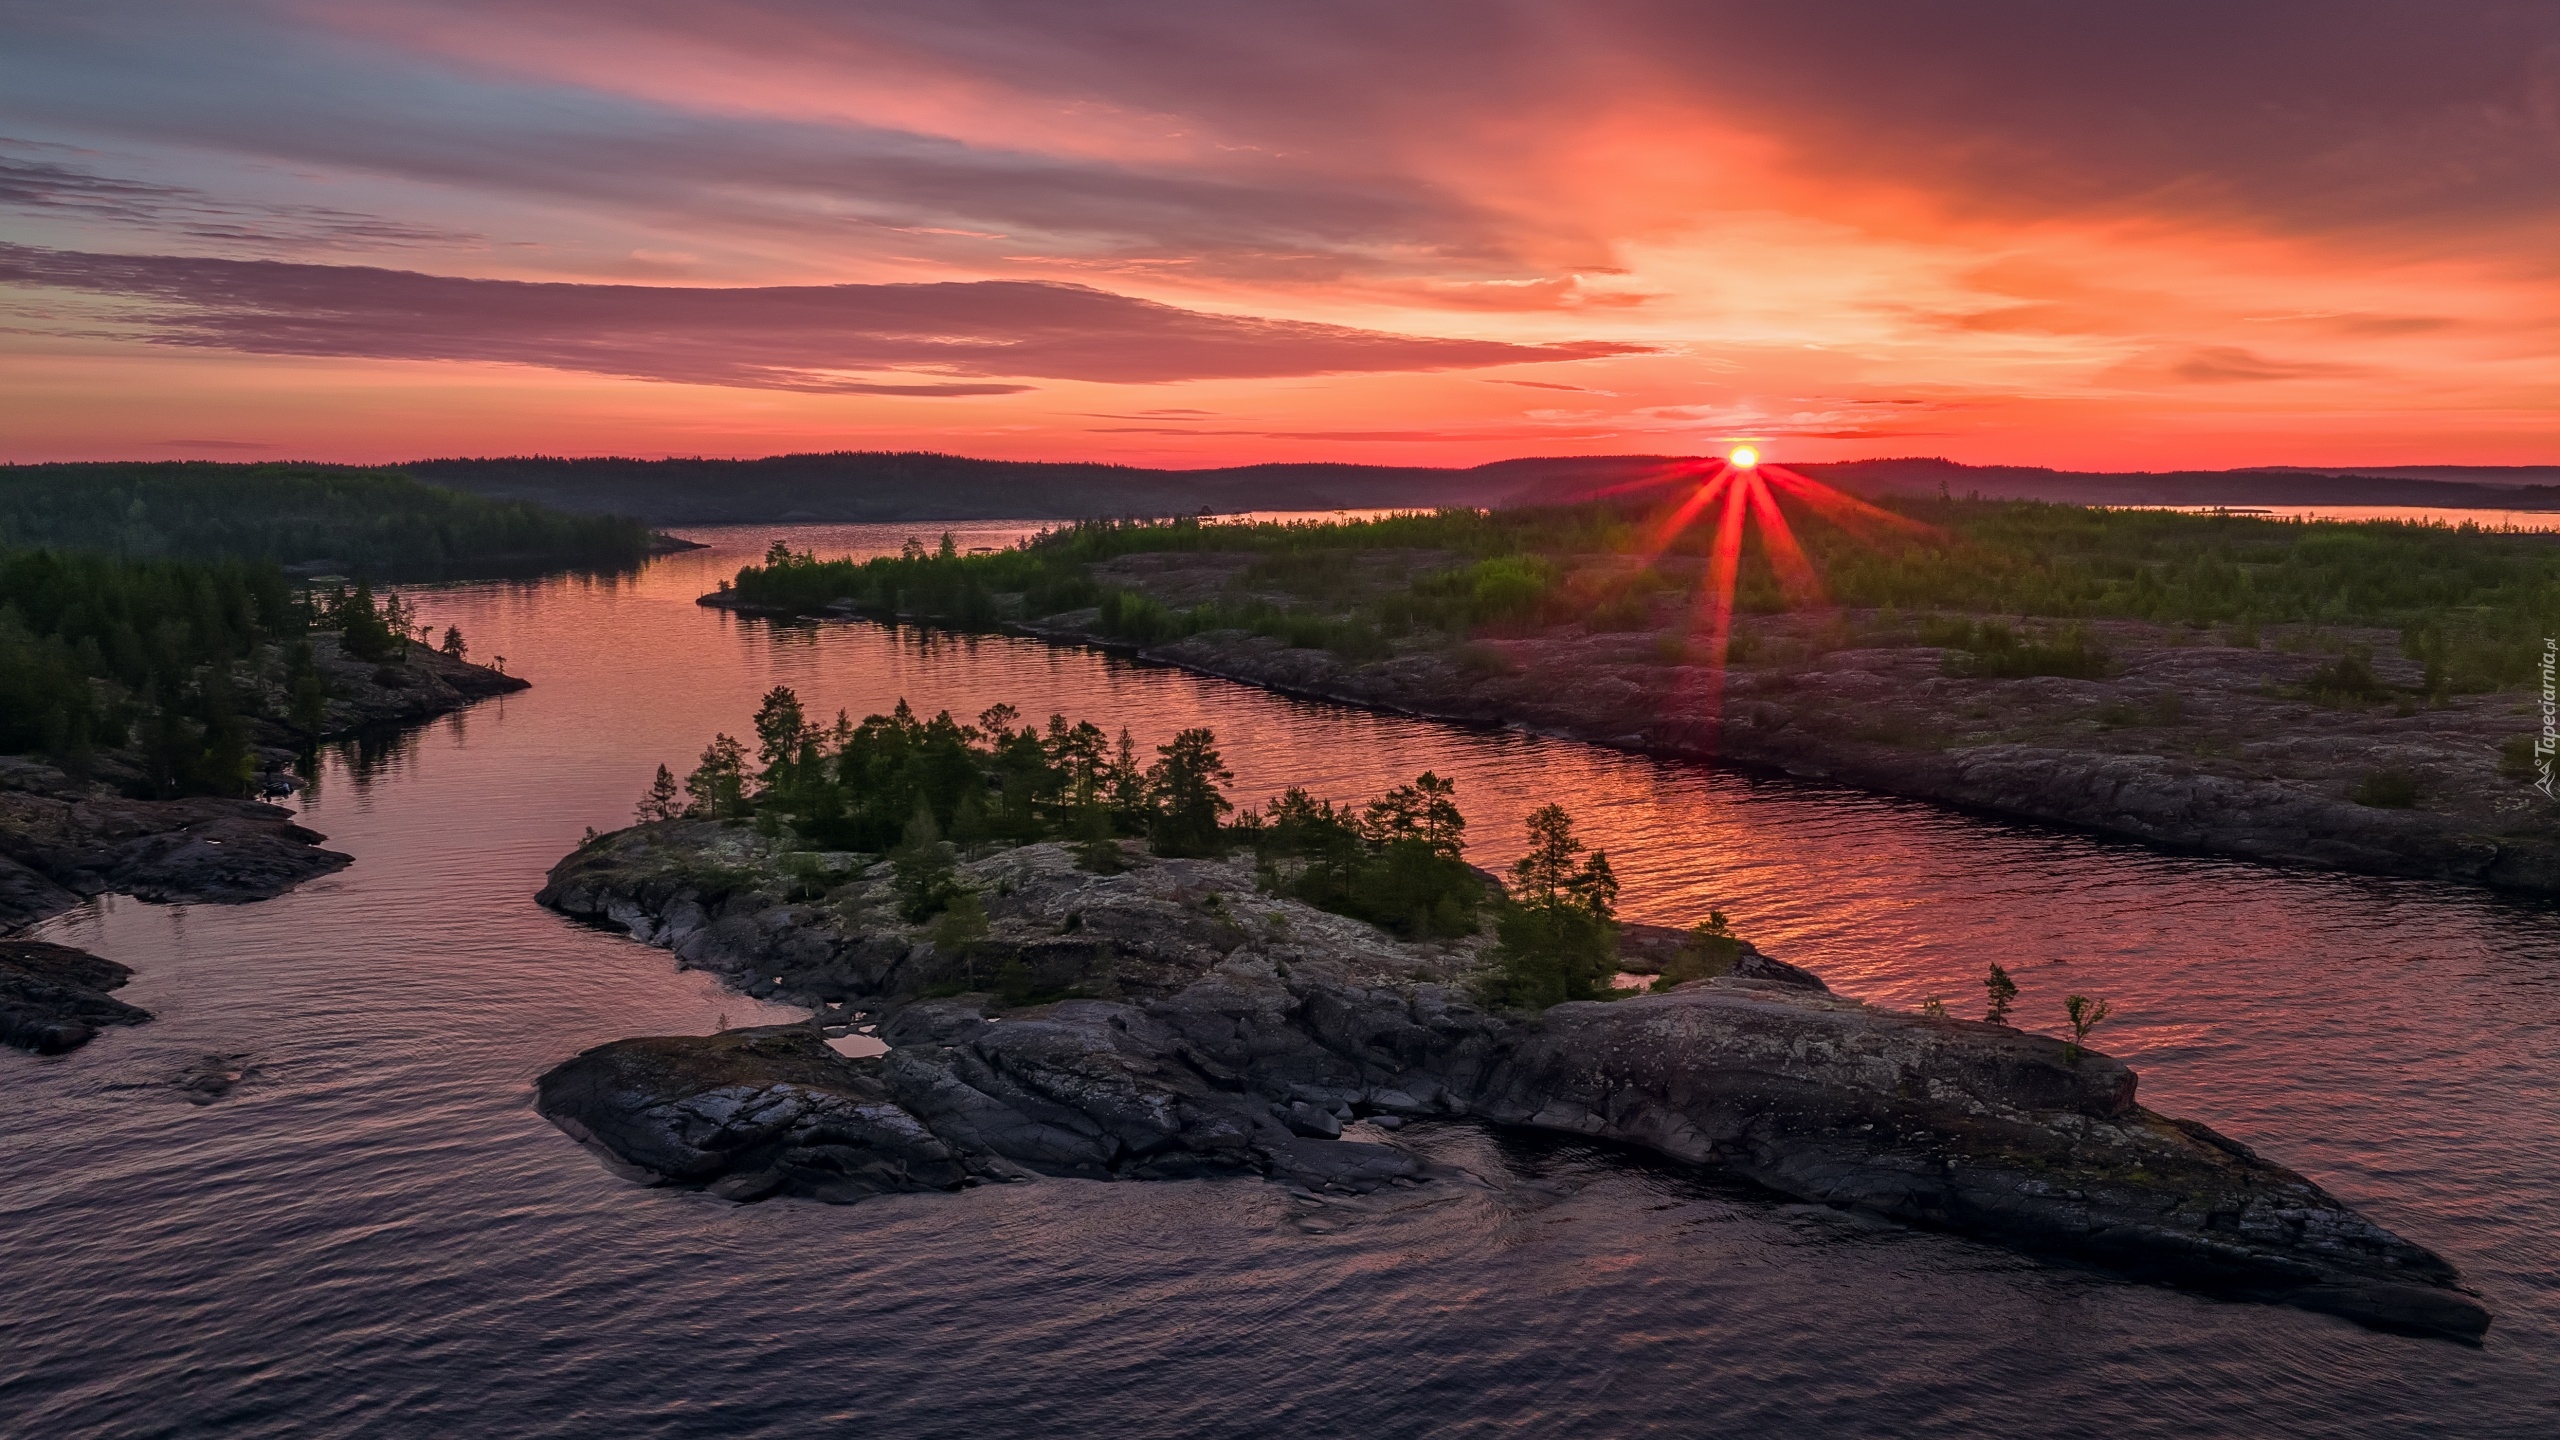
(368, 757)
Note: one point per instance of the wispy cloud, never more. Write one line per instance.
(950, 339)
(49, 188)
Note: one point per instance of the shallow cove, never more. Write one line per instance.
(375, 1233)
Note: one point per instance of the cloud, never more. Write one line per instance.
(1350, 435)
(46, 188)
(2229, 364)
(2001, 106)
(951, 338)
(298, 96)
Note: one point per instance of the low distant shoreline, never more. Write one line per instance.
(1888, 721)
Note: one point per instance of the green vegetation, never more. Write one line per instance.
(1709, 950)
(164, 656)
(2347, 680)
(1396, 861)
(1558, 929)
(902, 785)
(2085, 1015)
(1397, 864)
(173, 661)
(143, 608)
(377, 522)
(2002, 993)
(1990, 649)
(2472, 604)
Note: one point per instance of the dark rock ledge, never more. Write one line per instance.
(1226, 1032)
(62, 841)
(54, 998)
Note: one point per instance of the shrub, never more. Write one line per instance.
(2085, 1015)
(1996, 653)
(2347, 680)
(1622, 612)
(956, 933)
(922, 873)
(1709, 951)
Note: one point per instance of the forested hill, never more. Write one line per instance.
(886, 486)
(378, 522)
(916, 485)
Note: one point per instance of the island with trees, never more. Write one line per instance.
(161, 671)
(1047, 950)
(2349, 696)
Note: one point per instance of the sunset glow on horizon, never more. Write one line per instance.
(1431, 234)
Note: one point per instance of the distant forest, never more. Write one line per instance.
(860, 486)
(381, 523)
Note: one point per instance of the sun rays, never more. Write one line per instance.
(1738, 493)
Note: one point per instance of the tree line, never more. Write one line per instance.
(923, 790)
(380, 522)
(174, 663)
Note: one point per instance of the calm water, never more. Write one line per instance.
(2403, 514)
(376, 1236)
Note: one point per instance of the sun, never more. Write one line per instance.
(1744, 457)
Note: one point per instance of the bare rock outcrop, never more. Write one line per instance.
(57, 849)
(54, 998)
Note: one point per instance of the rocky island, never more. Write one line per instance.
(1105, 1009)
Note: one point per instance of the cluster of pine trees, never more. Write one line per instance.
(874, 786)
(98, 653)
(921, 790)
(173, 662)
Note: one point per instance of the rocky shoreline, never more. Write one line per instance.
(54, 998)
(1173, 1021)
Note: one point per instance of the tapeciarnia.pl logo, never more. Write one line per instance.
(2549, 740)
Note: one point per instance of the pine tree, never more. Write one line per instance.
(662, 800)
(1183, 791)
(1126, 785)
(453, 644)
(718, 786)
(922, 875)
(2003, 993)
(1558, 936)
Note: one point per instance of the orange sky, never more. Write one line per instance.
(1433, 233)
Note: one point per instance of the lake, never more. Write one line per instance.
(375, 1234)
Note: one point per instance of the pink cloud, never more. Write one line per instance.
(949, 338)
